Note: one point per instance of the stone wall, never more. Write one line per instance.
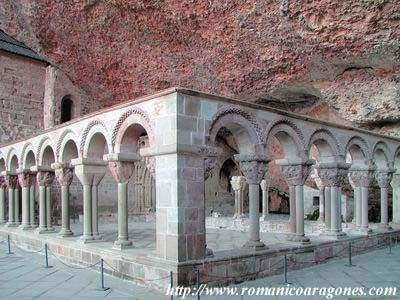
(21, 96)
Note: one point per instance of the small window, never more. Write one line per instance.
(66, 109)
(315, 201)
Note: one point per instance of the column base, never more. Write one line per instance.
(301, 239)
(385, 227)
(25, 227)
(335, 234)
(41, 230)
(122, 244)
(11, 224)
(238, 216)
(3, 222)
(290, 236)
(85, 239)
(97, 236)
(65, 233)
(51, 230)
(363, 231)
(33, 226)
(255, 246)
(264, 218)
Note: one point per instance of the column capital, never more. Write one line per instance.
(11, 181)
(121, 165)
(64, 174)
(24, 177)
(253, 166)
(384, 177)
(3, 183)
(89, 171)
(45, 178)
(295, 173)
(238, 183)
(361, 177)
(333, 174)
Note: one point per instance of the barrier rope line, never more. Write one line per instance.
(136, 278)
(1, 242)
(69, 266)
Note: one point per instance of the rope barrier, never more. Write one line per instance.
(25, 250)
(72, 267)
(3, 241)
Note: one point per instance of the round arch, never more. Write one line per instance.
(358, 149)
(93, 133)
(381, 155)
(327, 145)
(67, 146)
(28, 156)
(12, 160)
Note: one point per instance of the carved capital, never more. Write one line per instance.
(361, 178)
(24, 179)
(121, 171)
(45, 178)
(238, 183)
(333, 174)
(253, 166)
(3, 183)
(11, 181)
(64, 176)
(383, 178)
(296, 174)
(264, 185)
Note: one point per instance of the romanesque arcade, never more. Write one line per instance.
(170, 139)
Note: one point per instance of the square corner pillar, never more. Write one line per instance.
(180, 206)
(89, 172)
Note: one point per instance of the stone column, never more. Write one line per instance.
(321, 188)
(265, 189)
(88, 171)
(333, 175)
(122, 167)
(44, 178)
(16, 203)
(24, 181)
(64, 174)
(327, 198)
(95, 205)
(384, 177)
(32, 201)
(362, 177)
(253, 167)
(49, 213)
(238, 185)
(396, 199)
(296, 173)
(11, 181)
(3, 187)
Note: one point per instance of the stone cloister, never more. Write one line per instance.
(172, 138)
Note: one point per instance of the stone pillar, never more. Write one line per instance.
(16, 203)
(95, 205)
(238, 185)
(32, 201)
(396, 199)
(24, 181)
(11, 181)
(333, 175)
(384, 177)
(122, 167)
(321, 188)
(64, 175)
(3, 187)
(327, 198)
(292, 211)
(362, 178)
(49, 213)
(265, 189)
(88, 171)
(296, 173)
(253, 167)
(44, 178)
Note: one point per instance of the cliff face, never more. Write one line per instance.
(336, 59)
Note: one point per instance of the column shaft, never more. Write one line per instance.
(48, 209)
(11, 214)
(87, 213)
(328, 207)
(265, 210)
(384, 207)
(16, 205)
(292, 209)
(334, 209)
(321, 205)
(2, 206)
(65, 222)
(254, 217)
(25, 207)
(299, 211)
(95, 213)
(32, 205)
(42, 209)
(123, 240)
(364, 208)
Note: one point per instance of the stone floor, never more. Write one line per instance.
(23, 276)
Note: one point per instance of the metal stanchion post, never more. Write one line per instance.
(47, 256)
(9, 244)
(198, 283)
(103, 288)
(350, 263)
(171, 282)
(285, 271)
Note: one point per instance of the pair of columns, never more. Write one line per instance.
(296, 174)
(26, 180)
(253, 167)
(238, 185)
(11, 182)
(90, 172)
(333, 176)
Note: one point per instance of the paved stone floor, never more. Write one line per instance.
(23, 276)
